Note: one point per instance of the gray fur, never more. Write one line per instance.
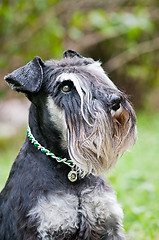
(98, 211)
(79, 114)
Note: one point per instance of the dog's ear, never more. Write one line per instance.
(28, 78)
(71, 54)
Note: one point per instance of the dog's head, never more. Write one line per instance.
(94, 119)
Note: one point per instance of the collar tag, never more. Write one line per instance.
(72, 175)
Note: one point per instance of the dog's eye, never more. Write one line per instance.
(66, 86)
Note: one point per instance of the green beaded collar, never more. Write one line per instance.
(75, 171)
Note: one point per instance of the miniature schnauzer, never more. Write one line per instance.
(79, 125)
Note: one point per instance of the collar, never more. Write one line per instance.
(75, 171)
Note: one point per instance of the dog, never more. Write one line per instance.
(80, 123)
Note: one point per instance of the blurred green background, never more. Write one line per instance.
(123, 35)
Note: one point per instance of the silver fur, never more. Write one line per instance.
(99, 150)
(60, 212)
(57, 117)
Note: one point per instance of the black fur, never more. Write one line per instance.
(34, 174)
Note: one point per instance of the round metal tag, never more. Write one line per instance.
(72, 176)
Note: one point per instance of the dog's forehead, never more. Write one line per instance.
(69, 69)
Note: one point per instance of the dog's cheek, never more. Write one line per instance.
(57, 118)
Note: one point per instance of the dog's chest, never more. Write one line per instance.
(68, 213)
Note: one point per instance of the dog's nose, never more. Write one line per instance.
(115, 102)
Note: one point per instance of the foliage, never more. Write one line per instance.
(135, 178)
(123, 34)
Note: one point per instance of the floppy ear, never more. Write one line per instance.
(28, 78)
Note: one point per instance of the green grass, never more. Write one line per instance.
(135, 178)
(9, 148)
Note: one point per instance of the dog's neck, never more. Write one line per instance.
(46, 133)
(47, 139)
